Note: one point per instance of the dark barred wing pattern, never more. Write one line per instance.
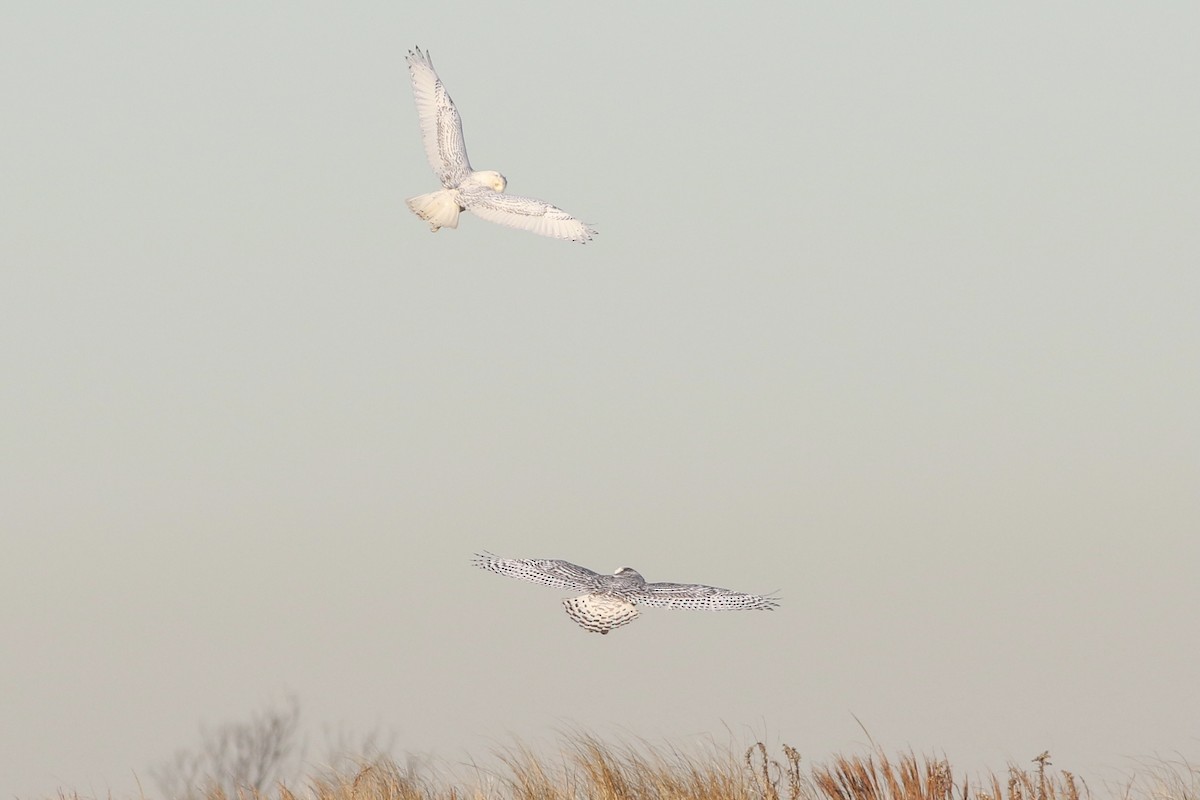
(699, 596)
(546, 571)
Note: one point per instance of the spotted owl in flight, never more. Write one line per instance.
(610, 601)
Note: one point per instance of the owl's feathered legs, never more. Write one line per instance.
(440, 209)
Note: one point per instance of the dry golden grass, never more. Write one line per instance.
(588, 769)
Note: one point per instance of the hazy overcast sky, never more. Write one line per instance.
(894, 309)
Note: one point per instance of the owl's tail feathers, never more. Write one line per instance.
(440, 209)
(600, 613)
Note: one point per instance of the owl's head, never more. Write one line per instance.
(492, 179)
(629, 572)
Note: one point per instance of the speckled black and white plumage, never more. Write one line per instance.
(600, 613)
(610, 601)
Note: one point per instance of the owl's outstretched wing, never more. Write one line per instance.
(525, 213)
(441, 128)
(699, 596)
(546, 571)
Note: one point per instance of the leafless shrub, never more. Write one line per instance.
(235, 758)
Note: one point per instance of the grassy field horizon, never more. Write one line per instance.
(584, 767)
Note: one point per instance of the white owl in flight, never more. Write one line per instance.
(610, 601)
(479, 191)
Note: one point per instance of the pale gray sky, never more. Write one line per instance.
(893, 309)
